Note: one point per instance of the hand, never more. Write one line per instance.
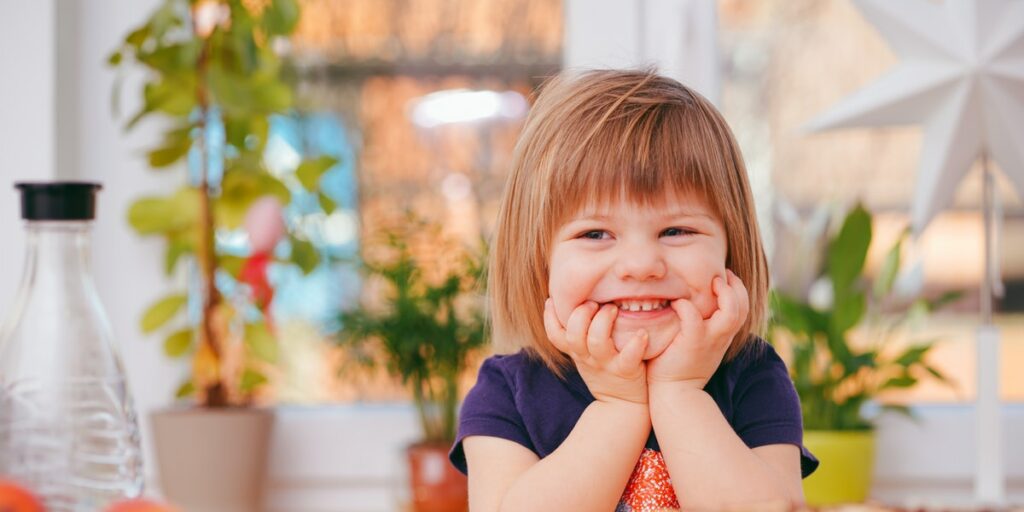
(609, 374)
(695, 353)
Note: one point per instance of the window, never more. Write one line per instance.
(786, 62)
(427, 97)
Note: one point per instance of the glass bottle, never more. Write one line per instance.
(68, 430)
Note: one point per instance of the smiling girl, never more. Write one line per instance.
(627, 268)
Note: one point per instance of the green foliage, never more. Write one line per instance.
(426, 332)
(161, 312)
(178, 343)
(833, 377)
(230, 74)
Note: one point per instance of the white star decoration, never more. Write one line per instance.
(962, 75)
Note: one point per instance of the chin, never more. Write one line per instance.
(660, 338)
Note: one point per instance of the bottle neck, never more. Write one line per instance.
(59, 246)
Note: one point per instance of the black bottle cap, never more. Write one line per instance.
(58, 200)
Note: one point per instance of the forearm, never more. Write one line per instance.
(590, 469)
(711, 467)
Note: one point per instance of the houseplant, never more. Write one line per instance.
(833, 375)
(214, 77)
(424, 333)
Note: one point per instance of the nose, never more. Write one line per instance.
(640, 262)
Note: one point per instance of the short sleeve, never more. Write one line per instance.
(489, 410)
(767, 408)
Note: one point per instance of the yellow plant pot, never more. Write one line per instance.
(847, 463)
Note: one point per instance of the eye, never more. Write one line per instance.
(595, 234)
(678, 232)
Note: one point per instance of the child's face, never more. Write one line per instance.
(639, 257)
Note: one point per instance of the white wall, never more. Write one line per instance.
(27, 121)
(678, 37)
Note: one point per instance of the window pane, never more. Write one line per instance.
(428, 97)
(787, 61)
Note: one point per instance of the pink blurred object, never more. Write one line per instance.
(264, 223)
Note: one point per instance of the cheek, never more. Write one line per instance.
(699, 273)
(569, 285)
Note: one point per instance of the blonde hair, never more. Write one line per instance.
(603, 136)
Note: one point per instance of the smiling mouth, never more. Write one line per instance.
(640, 305)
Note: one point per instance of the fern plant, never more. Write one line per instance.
(426, 332)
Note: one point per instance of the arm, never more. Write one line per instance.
(711, 467)
(587, 472)
(590, 469)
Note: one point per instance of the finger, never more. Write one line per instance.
(577, 325)
(632, 354)
(553, 328)
(742, 295)
(599, 335)
(690, 319)
(726, 319)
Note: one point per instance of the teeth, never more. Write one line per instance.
(641, 305)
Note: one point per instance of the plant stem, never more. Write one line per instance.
(216, 394)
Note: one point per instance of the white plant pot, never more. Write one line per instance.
(213, 460)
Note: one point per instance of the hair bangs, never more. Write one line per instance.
(644, 154)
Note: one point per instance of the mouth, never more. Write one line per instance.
(640, 305)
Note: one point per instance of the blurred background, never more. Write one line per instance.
(421, 102)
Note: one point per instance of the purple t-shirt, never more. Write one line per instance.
(516, 397)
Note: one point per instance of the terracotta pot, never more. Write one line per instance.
(213, 460)
(847, 462)
(436, 485)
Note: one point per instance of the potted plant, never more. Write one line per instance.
(214, 77)
(835, 376)
(425, 332)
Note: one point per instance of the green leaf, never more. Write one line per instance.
(174, 95)
(310, 171)
(153, 215)
(251, 379)
(795, 316)
(161, 311)
(178, 343)
(913, 355)
(280, 17)
(327, 203)
(165, 156)
(849, 310)
(173, 60)
(115, 58)
(305, 255)
(148, 215)
(137, 37)
(944, 300)
(260, 342)
(900, 409)
(887, 274)
(240, 94)
(186, 389)
(847, 252)
(904, 381)
(175, 250)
